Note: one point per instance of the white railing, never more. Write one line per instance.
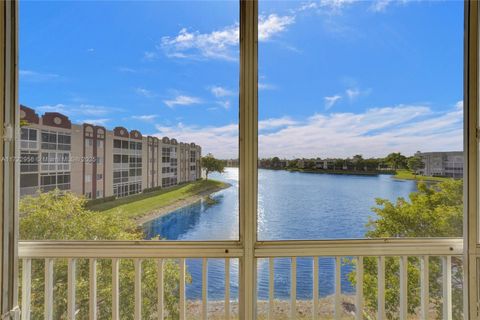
(139, 252)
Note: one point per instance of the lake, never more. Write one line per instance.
(291, 205)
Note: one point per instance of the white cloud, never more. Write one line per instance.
(272, 24)
(224, 104)
(352, 93)
(79, 110)
(275, 123)
(144, 92)
(459, 105)
(221, 43)
(380, 5)
(330, 101)
(146, 118)
(373, 133)
(219, 92)
(34, 76)
(96, 122)
(149, 55)
(182, 100)
(266, 86)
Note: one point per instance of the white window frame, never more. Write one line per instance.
(247, 245)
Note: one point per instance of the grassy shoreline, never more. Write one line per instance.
(147, 206)
(409, 175)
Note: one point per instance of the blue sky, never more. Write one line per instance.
(336, 77)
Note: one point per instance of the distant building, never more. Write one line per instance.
(93, 161)
(232, 163)
(442, 164)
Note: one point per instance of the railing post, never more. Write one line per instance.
(271, 287)
(381, 288)
(93, 289)
(48, 313)
(293, 289)
(115, 289)
(424, 287)
(71, 297)
(138, 289)
(338, 288)
(160, 289)
(315, 288)
(204, 288)
(403, 287)
(447, 287)
(181, 304)
(26, 288)
(227, 289)
(359, 289)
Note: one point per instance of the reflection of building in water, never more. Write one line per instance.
(442, 164)
(93, 161)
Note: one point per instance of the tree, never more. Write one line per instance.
(433, 211)
(396, 160)
(210, 164)
(62, 216)
(414, 163)
(275, 162)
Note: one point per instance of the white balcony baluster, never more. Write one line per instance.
(227, 289)
(26, 288)
(115, 289)
(92, 299)
(424, 287)
(204, 288)
(338, 288)
(271, 287)
(447, 287)
(181, 304)
(160, 289)
(48, 289)
(138, 289)
(71, 299)
(403, 287)
(359, 289)
(315, 288)
(381, 288)
(293, 289)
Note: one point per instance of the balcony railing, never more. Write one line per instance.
(424, 250)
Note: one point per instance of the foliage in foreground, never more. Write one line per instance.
(62, 216)
(432, 211)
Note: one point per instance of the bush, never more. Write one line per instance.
(63, 216)
(433, 211)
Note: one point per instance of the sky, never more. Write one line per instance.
(336, 77)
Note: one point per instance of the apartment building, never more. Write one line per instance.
(93, 161)
(442, 164)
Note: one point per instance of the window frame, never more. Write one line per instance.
(247, 245)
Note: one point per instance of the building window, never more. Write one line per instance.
(99, 193)
(99, 160)
(99, 176)
(89, 142)
(99, 143)
(28, 138)
(29, 162)
(88, 178)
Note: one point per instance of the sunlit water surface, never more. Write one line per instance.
(290, 206)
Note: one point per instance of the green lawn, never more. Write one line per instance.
(408, 175)
(142, 204)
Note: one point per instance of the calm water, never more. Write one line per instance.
(291, 206)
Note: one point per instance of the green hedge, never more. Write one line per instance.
(99, 200)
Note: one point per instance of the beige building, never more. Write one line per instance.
(442, 164)
(96, 162)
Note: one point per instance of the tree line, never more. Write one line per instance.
(393, 161)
